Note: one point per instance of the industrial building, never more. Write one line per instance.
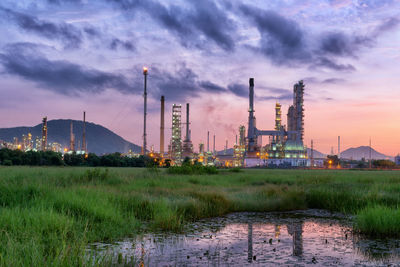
(286, 143)
(175, 147)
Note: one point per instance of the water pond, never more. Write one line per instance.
(299, 238)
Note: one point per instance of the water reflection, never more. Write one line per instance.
(296, 238)
(295, 229)
(250, 242)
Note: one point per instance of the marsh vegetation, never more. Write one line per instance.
(48, 215)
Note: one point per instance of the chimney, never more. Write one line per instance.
(214, 145)
(208, 141)
(72, 138)
(162, 126)
(187, 122)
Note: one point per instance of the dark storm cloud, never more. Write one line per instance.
(209, 86)
(239, 89)
(63, 77)
(324, 62)
(68, 34)
(58, 75)
(284, 42)
(194, 26)
(340, 44)
(180, 84)
(282, 39)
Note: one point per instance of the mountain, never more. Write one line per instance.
(100, 140)
(360, 152)
(316, 154)
(229, 151)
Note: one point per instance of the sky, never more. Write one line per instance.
(61, 57)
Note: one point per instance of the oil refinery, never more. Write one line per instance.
(285, 146)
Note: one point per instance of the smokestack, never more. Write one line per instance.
(162, 126)
(84, 132)
(144, 111)
(251, 95)
(72, 138)
(251, 125)
(338, 146)
(187, 122)
(214, 145)
(208, 141)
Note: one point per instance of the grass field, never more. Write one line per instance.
(49, 215)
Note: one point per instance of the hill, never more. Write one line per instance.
(100, 140)
(357, 153)
(316, 154)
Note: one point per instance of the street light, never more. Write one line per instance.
(145, 70)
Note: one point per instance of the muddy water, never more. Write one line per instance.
(300, 238)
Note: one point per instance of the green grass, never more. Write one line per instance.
(48, 215)
(379, 221)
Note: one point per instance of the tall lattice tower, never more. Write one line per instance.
(278, 117)
(176, 139)
(242, 135)
(44, 134)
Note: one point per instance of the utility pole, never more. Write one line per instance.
(145, 111)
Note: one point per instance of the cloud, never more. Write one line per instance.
(66, 33)
(58, 2)
(324, 62)
(209, 86)
(59, 75)
(239, 90)
(333, 80)
(282, 40)
(387, 25)
(117, 43)
(194, 26)
(63, 77)
(340, 44)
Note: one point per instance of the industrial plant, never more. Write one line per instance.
(285, 146)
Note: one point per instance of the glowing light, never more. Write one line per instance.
(145, 69)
